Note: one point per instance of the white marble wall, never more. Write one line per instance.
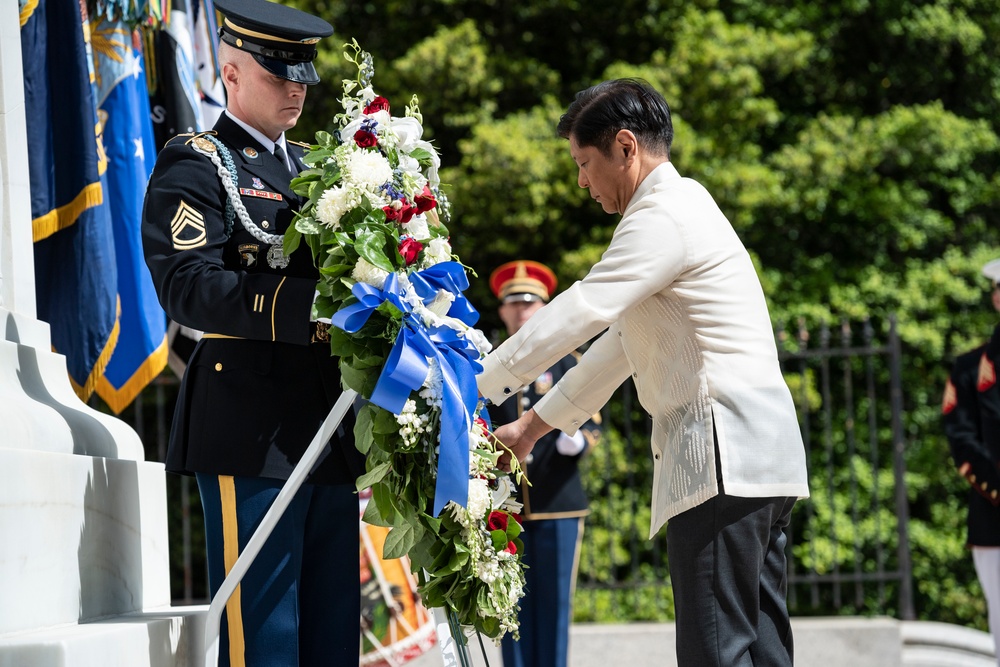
(84, 564)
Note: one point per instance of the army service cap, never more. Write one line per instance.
(523, 280)
(281, 38)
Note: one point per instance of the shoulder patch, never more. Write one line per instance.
(987, 373)
(950, 398)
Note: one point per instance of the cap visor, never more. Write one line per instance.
(298, 72)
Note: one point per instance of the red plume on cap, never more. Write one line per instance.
(523, 280)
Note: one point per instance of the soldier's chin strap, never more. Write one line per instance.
(227, 173)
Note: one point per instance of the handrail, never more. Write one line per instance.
(271, 518)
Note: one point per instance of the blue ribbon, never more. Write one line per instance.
(407, 365)
(449, 276)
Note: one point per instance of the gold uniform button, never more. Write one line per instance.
(218, 367)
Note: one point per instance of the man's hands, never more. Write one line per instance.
(518, 438)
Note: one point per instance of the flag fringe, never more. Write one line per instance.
(85, 390)
(119, 399)
(27, 11)
(46, 225)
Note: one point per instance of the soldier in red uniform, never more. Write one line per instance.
(555, 504)
(971, 417)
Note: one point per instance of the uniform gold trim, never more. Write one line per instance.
(231, 552)
(258, 303)
(212, 335)
(188, 216)
(274, 304)
(239, 30)
(298, 143)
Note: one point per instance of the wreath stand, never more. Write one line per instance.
(453, 647)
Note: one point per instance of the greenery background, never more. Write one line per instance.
(852, 143)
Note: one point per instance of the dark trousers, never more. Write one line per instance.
(728, 573)
(551, 549)
(299, 604)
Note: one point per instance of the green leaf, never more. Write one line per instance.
(383, 497)
(398, 541)
(376, 474)
(373, 516)
(291, 240)
(362, 425)
(307, 225)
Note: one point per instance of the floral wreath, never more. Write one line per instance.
(403, 331)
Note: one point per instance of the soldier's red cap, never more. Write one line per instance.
(523, 280)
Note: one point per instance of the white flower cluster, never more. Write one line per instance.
(412, 426)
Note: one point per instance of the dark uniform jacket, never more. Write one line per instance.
(971, 410)
(556, 490)
(256, 389)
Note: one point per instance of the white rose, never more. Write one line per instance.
(365, 272)
(437, 251)
(417, 227)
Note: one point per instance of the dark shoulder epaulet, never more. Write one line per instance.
(299, 143)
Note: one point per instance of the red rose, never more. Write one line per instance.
(482, 422)
(409, 248)
(365, 139)
(391, 214)
(511, 548)
(497, 521)
(425, 201)
(406, 213)
(378, 104)
(517, 517)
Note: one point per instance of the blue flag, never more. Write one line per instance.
(75, 272)
(123, 108)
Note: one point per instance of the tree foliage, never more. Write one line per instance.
(853, 144)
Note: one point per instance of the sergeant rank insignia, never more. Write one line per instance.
(187, 229)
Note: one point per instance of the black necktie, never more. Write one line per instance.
(280, 154)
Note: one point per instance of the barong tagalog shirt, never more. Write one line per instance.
(685, 317)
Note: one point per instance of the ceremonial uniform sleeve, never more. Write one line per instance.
(962, 421)
(185, 242)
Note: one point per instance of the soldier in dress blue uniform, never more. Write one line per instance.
(261, 380)
(555, 504)
(971, 417)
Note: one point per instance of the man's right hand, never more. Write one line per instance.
(518, 438)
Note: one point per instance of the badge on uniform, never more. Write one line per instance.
(248, 254)
(188, 227)
(250, 152)
(264, 194)
(543, 383)
(257, 183)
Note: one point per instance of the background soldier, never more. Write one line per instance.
(971, 417)
(256, 388)
(555, 504)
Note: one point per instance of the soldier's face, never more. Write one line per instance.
(266, 102)
(516, 313)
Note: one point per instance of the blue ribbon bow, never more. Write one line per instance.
(408, 363)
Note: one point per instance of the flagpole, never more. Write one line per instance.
(271, 518)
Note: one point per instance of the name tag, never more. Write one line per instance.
(264, 194)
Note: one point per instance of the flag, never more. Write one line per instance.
(173, 89)
(123, 109)
(75, 273)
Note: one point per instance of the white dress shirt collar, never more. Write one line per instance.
(256, 134)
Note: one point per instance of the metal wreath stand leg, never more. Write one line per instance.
(455, 650)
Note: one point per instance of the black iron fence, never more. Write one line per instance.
(848, 548)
